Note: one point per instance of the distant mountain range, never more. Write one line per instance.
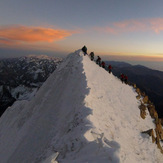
(148, 80)
(21, 77)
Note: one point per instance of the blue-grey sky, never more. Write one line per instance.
(124, 29)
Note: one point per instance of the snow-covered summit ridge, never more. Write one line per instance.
(80, 114)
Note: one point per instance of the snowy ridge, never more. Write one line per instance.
(81, 114)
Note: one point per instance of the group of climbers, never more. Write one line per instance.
(102, 64)
(123, 77)
(98, 60)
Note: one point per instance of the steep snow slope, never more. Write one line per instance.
(81, 114)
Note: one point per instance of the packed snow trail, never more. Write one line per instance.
(81, 114)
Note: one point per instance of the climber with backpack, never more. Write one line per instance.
(109, 68)
(92, 56)
(84, 49)
(103, 64)
(122, 77)
(126, 79)
(98, 60)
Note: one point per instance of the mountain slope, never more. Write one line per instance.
(80, 114)
(148, 80)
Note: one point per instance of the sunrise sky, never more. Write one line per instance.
(120, 29)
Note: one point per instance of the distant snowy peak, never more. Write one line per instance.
(40, 57)
(27, 70)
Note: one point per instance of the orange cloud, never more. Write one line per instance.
(143, 25)
(19, 33)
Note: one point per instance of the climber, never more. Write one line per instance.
(126, 79)
(84, 49)
(98, 61)
(109, 68)
(92, 56)
(122, 77)
(103, 64)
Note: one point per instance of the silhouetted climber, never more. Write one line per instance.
(92, 56)
(109, 68)
(122, 77)
(126, 79)
(103, 64)
(98, 61)
(84, 49)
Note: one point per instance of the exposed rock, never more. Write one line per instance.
(159, 130)
(162, 121)
(158, 144)
(142, 108)
(149, 102)
(145, 99)
(150, 132)
(152, 111)
(143, 94)
(138, 97)
(138, 91)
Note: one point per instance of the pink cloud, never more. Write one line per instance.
(130, 25)
(134, 25)
(157, 24)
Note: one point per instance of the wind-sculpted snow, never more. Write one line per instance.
(81, 114)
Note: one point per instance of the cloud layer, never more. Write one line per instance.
(19, 33)
(134, 25)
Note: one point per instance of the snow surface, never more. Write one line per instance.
(25, 93)
(81, 114)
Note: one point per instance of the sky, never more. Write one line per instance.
(116, 29)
